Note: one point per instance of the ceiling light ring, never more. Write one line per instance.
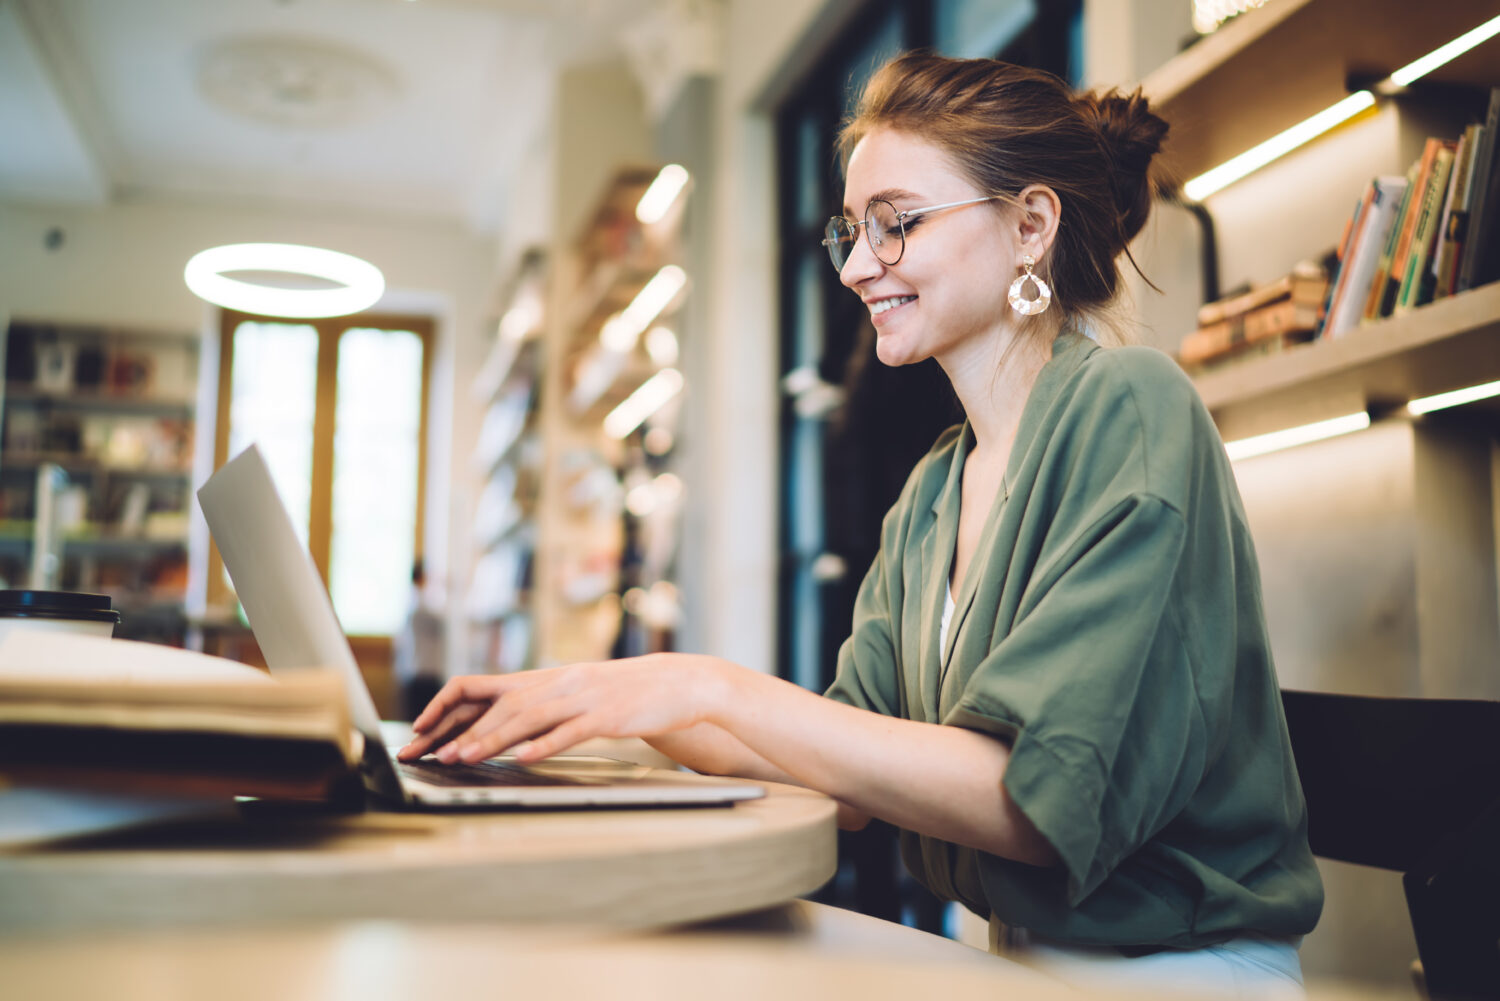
(362, 283)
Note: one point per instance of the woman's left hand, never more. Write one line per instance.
(535, 714)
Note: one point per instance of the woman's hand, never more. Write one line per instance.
(539, 713)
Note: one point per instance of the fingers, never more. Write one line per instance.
(455, 722)
(557, 740)
(518, 716)
(483, 688)
(447, 698)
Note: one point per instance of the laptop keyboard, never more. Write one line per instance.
(483, 773)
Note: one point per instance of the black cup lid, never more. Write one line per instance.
(57, 605)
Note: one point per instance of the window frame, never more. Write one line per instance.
(320, 507)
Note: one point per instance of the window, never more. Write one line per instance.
(338, 407)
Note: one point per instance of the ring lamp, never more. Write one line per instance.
(362, 283)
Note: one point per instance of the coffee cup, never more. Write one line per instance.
(57, 611)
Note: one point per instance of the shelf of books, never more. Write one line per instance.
(608, 511)
(1448, 345)
(98, 427)
(508, 459)
(1408, 307)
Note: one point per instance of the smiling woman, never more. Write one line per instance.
(1058, 681)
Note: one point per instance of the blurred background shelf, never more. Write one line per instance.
(104, 418)
(94, 401)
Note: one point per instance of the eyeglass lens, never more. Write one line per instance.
(883, 230)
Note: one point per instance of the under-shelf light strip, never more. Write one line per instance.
(621, 331)
(1251, 160)
(1245, 448)
(1277, 146)
(662, 194)
(652, 395)
(1427, 404)
(1419, 68)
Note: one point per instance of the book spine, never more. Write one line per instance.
(1388, 252)
(1217, 312)
(1455, 214)
(1363, 256)
(1479, 197)
(1399, 259)
(1210, 341)
(1287, 316)
(1424, 234)
(1354, 230)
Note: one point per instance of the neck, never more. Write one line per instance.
(993, 379)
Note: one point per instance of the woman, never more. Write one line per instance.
(1059, 683)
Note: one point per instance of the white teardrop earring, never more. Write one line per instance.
(1022, 305)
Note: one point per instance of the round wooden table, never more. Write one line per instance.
(616, 868)
(792, 952)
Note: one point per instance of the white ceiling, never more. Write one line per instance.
(387, 106)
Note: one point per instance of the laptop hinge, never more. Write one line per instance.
(379, 774)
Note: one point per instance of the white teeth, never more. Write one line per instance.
(876, 308)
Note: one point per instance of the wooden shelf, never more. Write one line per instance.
(608, 289)
(103, 546)
(1450, 344)
(85, 464)
(95, 400)
(1274, 66)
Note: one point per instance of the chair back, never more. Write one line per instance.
(1413, 785)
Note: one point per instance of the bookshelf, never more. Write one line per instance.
(508, 459)
(1265, 71)
(603, 561)
(1445, 345)
(107, 415)
(1279, 64)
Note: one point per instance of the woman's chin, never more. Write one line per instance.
(894, 352)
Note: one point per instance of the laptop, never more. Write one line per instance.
(294, 622)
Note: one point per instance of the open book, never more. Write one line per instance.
(93, 713)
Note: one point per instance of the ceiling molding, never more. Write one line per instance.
(51, 39)
(670, 45)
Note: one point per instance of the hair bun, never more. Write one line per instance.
(1131, 134)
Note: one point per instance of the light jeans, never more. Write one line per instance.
(1250, 967)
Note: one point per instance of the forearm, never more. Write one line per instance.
(940, 781)
(709, 749)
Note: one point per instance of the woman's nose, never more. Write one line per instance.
(862, 264)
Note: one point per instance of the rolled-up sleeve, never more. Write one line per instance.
(867, 676)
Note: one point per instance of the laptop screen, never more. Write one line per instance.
(277, 582)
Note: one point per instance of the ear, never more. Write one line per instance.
(1039, 211)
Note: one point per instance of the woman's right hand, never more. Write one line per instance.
(535, 714)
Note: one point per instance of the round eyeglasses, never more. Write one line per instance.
(885, 230)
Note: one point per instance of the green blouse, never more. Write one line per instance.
(1110, 630)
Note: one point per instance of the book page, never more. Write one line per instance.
(71, 680)
(52, 656)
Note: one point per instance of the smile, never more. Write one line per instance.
(876, 308)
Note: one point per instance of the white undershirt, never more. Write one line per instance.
(947, 617)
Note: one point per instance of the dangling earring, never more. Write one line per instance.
(1024, 306)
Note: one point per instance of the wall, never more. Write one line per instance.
(773, 42)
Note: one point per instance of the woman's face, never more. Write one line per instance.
(946, 294)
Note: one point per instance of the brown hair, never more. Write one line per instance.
(1006, 127)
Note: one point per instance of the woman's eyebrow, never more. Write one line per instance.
(886, 195)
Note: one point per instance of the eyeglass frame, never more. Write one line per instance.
(901, 218)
